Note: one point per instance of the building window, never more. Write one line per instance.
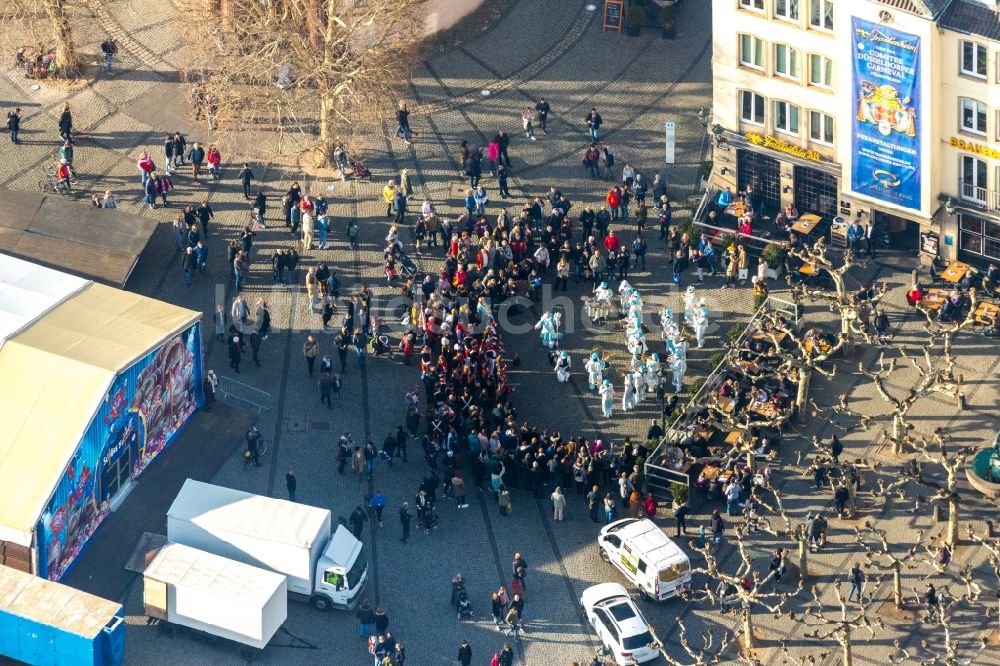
(751, 51)
(816, 192)
(972, 172)
(787, 9)
(751, 107)
(973, 59)
(756, 5)
(786, 118)
(786, 61)
(820, 71)
(979, 236)
(973, 116)
(821, 127)
(821, 14)
(764, 174)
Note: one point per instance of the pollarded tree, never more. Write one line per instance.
(841, 626)
(287, 59)
(49, 23)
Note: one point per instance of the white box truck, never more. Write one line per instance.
(209, 593)
(326, 568)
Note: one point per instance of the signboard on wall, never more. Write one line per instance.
(929, 243)
(614, 11)
(885, 164)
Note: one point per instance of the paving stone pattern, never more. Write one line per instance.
(551, 49)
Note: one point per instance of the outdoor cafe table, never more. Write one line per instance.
(987, 313)
(726, 404)
(813, 344)
(934, 299)
(807, 269)
(956, 271)
(736, 209)
(765, 409)
(806, 224)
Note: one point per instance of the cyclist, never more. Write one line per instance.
(63, 174)
(253, 446)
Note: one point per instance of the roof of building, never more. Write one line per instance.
(98, 244)
(58, 359)
(926, 8)
(971, 17)
(53, 604)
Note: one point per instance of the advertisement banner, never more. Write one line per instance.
(885, 164)
(144, 408)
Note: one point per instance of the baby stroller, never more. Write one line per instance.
(406, 264)
(360, 172)
(464, 606)
(378, 345)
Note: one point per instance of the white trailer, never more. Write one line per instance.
(220, 597)
(328, 569)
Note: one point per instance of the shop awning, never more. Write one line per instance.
(57, 367)
(98, 244)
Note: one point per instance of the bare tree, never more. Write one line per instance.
(709, 652)
(48, 23)
(279, 60)
(841, 626)
(760, 592)
(884, 559)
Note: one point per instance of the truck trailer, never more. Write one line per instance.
(329, 569)
(50, 624)
(214, 595)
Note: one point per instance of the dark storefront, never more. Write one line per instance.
(764, 173)
(978, 239)
(816, 193)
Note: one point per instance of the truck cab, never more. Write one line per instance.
(341, 572)
(646, 556)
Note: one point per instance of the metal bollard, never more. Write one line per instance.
(936, 513)
(989, 528)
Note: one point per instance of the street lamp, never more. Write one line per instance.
(949, 206)
(720, 141)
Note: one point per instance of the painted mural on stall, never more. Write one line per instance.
(141, 413)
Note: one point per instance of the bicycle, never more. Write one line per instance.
(248, 457)
(50, 184)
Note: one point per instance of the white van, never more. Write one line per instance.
(647, 557)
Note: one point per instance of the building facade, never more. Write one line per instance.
(887, 111)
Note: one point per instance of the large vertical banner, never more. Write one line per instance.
(885, 164)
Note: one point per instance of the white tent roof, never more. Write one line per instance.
(28, 290)
(58, 358)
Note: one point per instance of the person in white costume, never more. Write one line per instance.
(668, 324)
(607, 398)
(563, 366)
(701, 322)
(628, 396)
(595, 371)
(549, 327)
(653, 371)
(639, 376)
(689, 305)
(679, 366)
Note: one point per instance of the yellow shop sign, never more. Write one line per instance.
(783, 146)
(974, 148)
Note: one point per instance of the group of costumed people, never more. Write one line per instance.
(647, 372)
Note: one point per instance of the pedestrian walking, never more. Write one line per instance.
(680, 515)
(197, 157)
(291, 484)
(358, 519)
(109, 48)
(235, 353)
(14, 124)
(310, 350)
(366, 618)
(464, 653)
(189, 263)
(405, 520)
(718, 526)
(527, 117)
(593, 500)
(246, 178)
(542, 110)
(594, 122)
(558, 504)
(66, 122)
(403, 123)
(857, 583)
(325, 385)
(377, 503)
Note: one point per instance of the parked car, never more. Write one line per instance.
(618, 623)
(647, 557)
